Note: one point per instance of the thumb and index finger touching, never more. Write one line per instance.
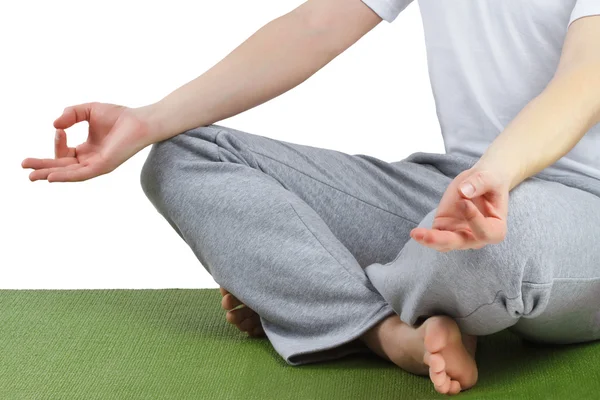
(69, 117)
(474, 185)
(485, 227)
(65, 166)
(78, 172)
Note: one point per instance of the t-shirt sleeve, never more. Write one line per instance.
(584, 8)
(389, 9)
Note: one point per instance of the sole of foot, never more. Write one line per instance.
(449, 355)
(240, 315)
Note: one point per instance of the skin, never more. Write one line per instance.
(287, 51)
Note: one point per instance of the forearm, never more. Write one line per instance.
(279, 56)
(547, 128)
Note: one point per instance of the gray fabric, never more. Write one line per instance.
(317, 242)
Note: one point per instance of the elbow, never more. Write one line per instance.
(583, 75)
(332, 28)
(590, 86)
(582, 82)
(316, 30)
(312, 20)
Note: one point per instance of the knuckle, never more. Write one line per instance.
(482, 234)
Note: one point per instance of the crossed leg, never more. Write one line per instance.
(300, 234)
(436, 348)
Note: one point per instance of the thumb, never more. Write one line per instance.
(474, 185)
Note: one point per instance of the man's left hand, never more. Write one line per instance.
(468, 220)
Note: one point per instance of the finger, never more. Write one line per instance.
(40, 174)
(74, 175)
(417, 233)
(422, 236)
(42, 163)
(446, 240)
(223, 291)
(476, 220)
(428, 240)
(72, 115)
(442, 240)
(60, 145)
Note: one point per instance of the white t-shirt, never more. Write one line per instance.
(487, 59)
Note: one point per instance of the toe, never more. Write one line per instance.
(231, 317)
(454, 387)
(426, 357)
(445, 386)
(249, 323)
(239, 315)
(229, 302)
(438, 378)
(436, 334)
(436, 363)
(258, 332)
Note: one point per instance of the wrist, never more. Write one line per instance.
(503, 174)
(153, 117)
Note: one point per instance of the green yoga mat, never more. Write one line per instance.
(176, 344)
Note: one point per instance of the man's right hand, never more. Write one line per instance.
(115, 134)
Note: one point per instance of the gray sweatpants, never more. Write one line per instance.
(317, 242)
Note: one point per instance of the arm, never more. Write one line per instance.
(473, 211)
(279, 56)
(555, 121)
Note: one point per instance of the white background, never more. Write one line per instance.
(373, 99)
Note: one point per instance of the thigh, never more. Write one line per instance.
(370, 205)
(542, 276)
(569, 233)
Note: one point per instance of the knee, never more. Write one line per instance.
(169, 162)
(489, 288)
(514, 276)
(469, 279)
(160, 176)
(522, 256)
(155, 170)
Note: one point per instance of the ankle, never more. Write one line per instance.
(397, 342)
(375, 336)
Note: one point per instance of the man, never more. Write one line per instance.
(330, 252)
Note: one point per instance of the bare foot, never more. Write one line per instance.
(435, 348)
(449, 355)
(246, 319)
